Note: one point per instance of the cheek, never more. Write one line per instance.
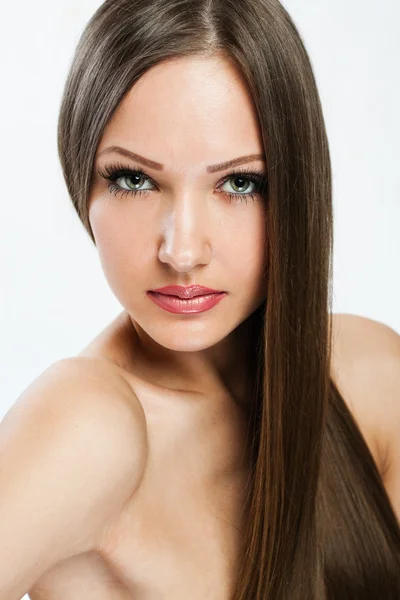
(121, 243)
(248, 254)
(248, 264)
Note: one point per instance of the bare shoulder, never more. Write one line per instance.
(72, 451)
(95, 401)
(366, 368)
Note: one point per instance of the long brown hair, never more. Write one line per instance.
(320, 524)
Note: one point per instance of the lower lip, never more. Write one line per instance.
(177, 305)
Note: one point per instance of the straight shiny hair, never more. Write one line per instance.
(319, 524)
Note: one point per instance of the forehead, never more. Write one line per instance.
(187, 112)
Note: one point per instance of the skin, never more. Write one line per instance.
(186, 114)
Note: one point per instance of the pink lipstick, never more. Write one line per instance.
(186, 300)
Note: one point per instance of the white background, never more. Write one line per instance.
(54, 297)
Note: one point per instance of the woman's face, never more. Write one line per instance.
(184, 229)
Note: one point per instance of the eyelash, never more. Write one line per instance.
(116, 171)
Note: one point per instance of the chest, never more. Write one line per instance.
(179, 535)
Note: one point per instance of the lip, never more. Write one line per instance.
(186, 292)
(197, 304)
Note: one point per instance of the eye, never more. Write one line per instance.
(241, 179)
(134, 179)
(114, 173)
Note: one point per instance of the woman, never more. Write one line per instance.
(200, 447)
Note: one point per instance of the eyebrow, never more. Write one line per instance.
(159, 167)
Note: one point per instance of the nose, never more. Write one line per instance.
(186, 236)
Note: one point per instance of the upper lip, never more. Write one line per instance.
(186, 292)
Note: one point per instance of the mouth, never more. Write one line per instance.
(196, 304)
(185, 293)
